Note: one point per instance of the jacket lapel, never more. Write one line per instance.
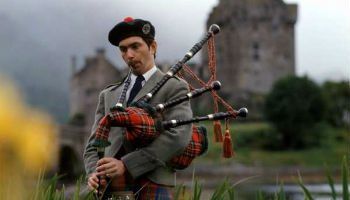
(150, 84)
(113, 96)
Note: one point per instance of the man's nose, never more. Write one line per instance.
(129, 54)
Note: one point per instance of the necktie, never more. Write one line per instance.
(136, 88)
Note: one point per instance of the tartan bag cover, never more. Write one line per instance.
(141, 130)
(140, 126)
(197, 146)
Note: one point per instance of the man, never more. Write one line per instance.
(142, 170)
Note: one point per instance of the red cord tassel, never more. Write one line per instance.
(217, 131)
(228, 148)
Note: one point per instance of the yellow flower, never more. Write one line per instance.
(11, 108)
(10, 117)
(28, 141)
(37, 147)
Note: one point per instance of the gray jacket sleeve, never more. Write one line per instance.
(170, 142)
(90, 153)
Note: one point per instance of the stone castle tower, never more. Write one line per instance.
(87, 83)
(255, 46)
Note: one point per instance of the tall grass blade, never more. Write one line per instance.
(307, 193)
(345, 174)
(231, 193)
(281, 195)
(197, 191)
(259, 195)
(275, 196)
(89, 196)
(62, 193)
(193, 178)
(244, 180)
(77, 189)
(37, 193)
(179, 189)
(220, 191)
(331, 183)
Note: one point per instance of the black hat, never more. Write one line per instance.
(131, 27)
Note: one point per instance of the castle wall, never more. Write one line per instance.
(86, 85)
(255, 46)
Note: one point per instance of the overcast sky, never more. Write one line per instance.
(323, 38)
(54, 30)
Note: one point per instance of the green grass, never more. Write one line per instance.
(225, 190)
(247, 145)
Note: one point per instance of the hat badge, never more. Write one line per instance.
(146, 29)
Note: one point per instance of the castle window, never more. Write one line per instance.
(256, 48)
(255, 45)
(266, 8)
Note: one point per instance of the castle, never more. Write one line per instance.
(254, 48)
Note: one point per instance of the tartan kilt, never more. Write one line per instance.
(143, 188)
(149, 190)
(141, 131)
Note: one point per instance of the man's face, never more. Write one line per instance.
(137, 55)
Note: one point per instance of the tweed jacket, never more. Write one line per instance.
(149, 161)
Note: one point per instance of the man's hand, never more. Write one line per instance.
(110, 167)
(93, 182)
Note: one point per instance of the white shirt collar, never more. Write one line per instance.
(149, 73)
(146, 75)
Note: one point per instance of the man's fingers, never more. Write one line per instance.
(104, 167)
(100, 169)
(102, 173)
(92, 184)
(92, 188)
(104, 161)
(111, 171)
(110, 167)
(94, 178)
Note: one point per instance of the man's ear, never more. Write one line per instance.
(153, 47)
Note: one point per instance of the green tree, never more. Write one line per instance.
(338, 100)
(294, 106)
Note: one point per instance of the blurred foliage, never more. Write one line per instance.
(27, 143)
(268, 138)
(294, 106)
(338, 103)
(257, 143)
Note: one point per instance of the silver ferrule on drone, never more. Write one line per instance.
(189, 54)
(160, 107)
(173, 122)
(189, 95)
(119, 105)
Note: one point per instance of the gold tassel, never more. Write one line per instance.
(227, 147)
(217, 131)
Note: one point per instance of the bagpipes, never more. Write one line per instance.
(143, 124)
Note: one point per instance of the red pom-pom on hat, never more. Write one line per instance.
(128, 19)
